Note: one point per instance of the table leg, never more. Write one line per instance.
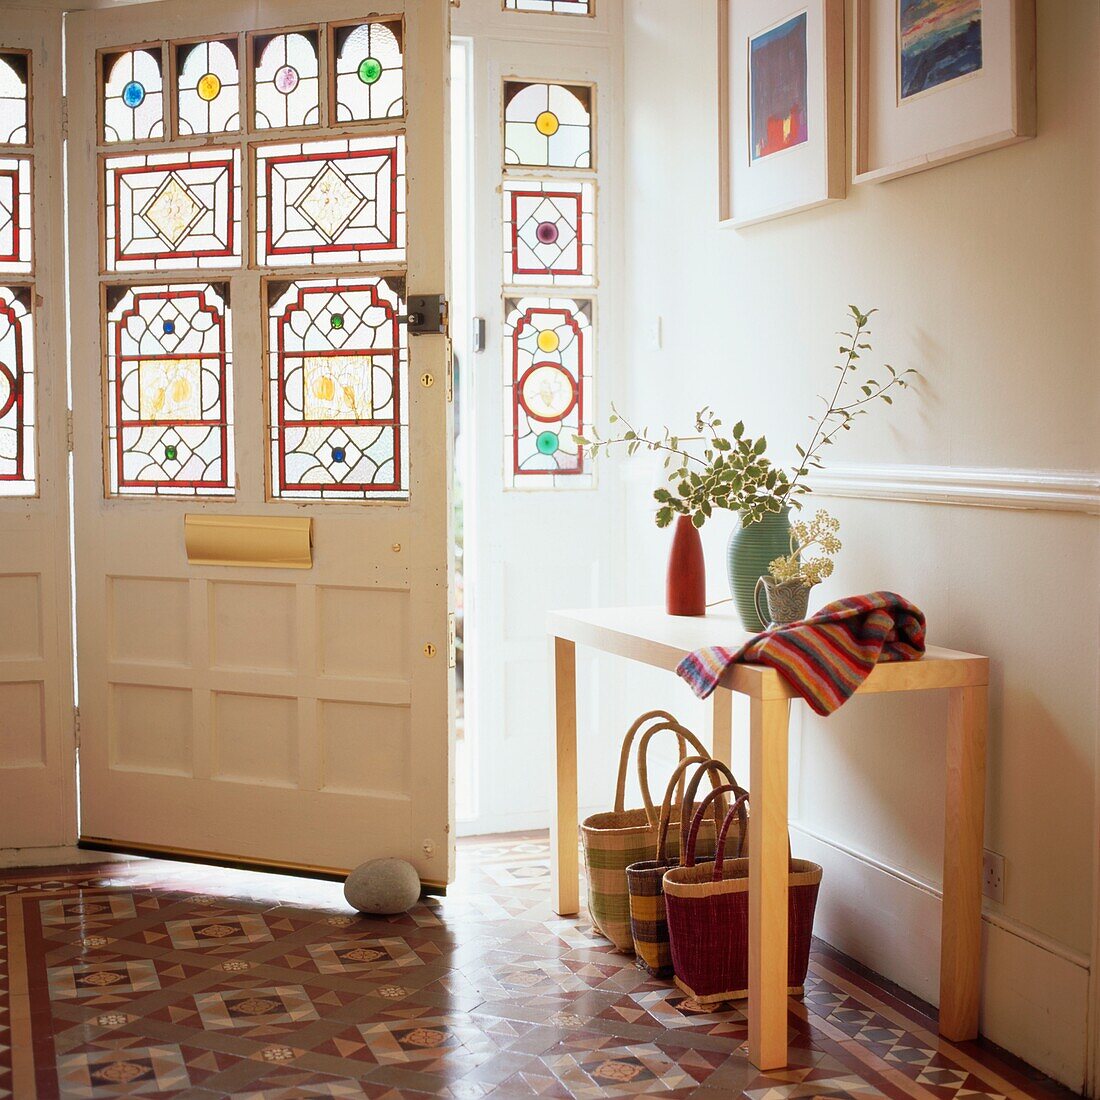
(961, 941)
(720, 721)
(564, 869)
(768, 883)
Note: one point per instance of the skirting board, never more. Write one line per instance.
(1034, 997)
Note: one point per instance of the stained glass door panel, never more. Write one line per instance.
(242, 362)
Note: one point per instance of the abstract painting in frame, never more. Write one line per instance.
(940, 80)
(780, 107)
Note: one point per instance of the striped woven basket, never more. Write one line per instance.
(617, 838)
(707, 906)
(648, 925)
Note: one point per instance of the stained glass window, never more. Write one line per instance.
(338, 390)
(547, 125)
(548, 361)
(17, 449)
(15, 86)
(170, 397)
(133, 95)
(209, 92)
(549, 229)
(369, 77)
(333, 201)
(287, 89)
(553, 7)
(167, 210)
(15, 215)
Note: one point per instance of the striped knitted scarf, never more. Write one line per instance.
(825, 657)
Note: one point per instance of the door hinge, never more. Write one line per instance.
(450, 371)
(76, 726)
(69, 430)
(64, 116)
(452, 641)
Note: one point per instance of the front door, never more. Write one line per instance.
(261, 440)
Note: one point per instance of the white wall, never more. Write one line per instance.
(985, 272)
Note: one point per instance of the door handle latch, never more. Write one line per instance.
(427, 314)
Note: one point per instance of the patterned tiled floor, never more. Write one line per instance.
(150, 978)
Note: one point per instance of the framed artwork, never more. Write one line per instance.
(939, 80)
(780, 107)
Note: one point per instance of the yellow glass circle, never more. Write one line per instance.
(548, 340)
(208, 87)
(547, 123)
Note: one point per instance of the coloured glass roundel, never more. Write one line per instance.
(370, 69)
(547, 123)
(209, 87)
(548, 341)
(547, 393)
(547, 443)
(286, 79)
(133, 94)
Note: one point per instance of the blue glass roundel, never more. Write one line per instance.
(169, 327)
(133, 95)
(338, 454)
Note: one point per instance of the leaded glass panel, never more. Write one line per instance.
(17, 392)
(547, 125)
(338, 389)
(334, 201)
(549, 229)
(169, 390)
(369, 74)
(15, 96)
(286, 88)
(133, 95)
(552, 7)
(172, 210)
(209, 93)
(548, 359)
(16, 247)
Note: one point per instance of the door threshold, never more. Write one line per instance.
(239, 863)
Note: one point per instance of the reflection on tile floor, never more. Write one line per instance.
(149, 978)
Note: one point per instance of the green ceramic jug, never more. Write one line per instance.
(749, 553)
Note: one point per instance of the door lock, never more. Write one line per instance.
(427, 314)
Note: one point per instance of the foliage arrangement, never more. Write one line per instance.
(733, 470)
(821, 531)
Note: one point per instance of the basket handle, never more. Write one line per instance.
(688, 849)
(683, 735)
(624, 755)
(719, 773)
(675, 781)
(736, 810)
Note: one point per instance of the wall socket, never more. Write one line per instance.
(993, 876)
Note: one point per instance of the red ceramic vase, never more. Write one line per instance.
(686, 589)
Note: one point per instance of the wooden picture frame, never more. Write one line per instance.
(989, 108)
(752, 187)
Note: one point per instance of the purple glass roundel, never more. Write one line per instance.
(547, 232)
(286, 79)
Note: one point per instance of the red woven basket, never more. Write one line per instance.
(707, 909)
(644, 878)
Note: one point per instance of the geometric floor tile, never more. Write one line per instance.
(151, 978)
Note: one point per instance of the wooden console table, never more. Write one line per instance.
(650, 636)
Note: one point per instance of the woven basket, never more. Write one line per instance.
(647, 904)
(614, 839)
(707, 906)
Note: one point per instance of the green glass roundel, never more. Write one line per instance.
(547, 442)
(370, 69)
(336, 320)
(170, 451)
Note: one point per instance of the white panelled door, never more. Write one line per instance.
(259, 191)
(37, 772)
